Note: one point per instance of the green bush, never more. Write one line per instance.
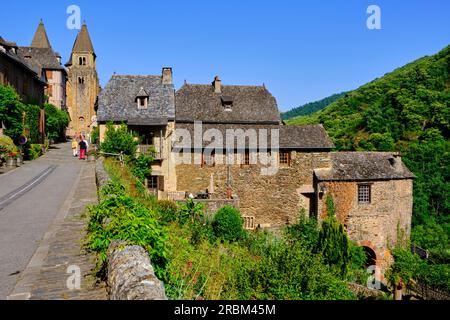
(95, 135)
(228, 224)
(141, 167)
(119, 140)
(334, 245)
(35, 151)
(11, 109)
(56, 122)
(168, 210)
(120, 217)
(191, 212)
(305, 231)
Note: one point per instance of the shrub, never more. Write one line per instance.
(119, 140)
(11, 109)
(168, 210)
(141, 167)
(120, 217)
(191, 211)
(56, 122)
(35, 151)
(334, 244)
(228, 224)
(305, 231)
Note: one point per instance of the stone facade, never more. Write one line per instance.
(380, 225)
(56, 89)
(273, 200)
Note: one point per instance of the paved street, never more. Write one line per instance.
(36, 201)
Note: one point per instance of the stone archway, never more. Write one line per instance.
(372, 252)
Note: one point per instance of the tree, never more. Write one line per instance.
(333, 242)
(119, 140)
(11, 109)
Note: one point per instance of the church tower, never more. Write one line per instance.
(83, 86)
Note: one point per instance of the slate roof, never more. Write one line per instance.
(46, 58)
(305, 137)
(251, 104)
(311, 137)
(354, 166)
(12, 52)
(83, 42)
(117, 101)
(40, 39)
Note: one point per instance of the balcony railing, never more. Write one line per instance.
(150, 150)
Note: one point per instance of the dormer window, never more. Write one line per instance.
(142, 99)
(227, 103)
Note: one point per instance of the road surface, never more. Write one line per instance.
(30, 198)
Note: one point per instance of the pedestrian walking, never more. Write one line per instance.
(75, 147)
(83, 148)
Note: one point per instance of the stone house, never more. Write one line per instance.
(147, 105)
(41, 55)
(372, 193)
(227, 144)
(27, 79)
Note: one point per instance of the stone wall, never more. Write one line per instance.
(379, 225)
(131, 275)
(273, 200)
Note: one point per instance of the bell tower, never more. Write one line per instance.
(83, 85)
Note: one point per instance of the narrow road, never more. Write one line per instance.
(30, 198)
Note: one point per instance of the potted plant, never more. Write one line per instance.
(19, 159)
(11, 161)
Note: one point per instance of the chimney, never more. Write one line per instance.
(396, 162)
(217, 85)
(167, 76)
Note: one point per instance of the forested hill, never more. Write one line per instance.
(311, 107)
(406, 110)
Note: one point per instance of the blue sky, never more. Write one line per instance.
(301, 50)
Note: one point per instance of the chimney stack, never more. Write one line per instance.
(167, 76)
(396, 162)
(217, 85)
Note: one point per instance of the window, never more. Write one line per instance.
(82, 61)
(285, 158)
(80, 80)
(249, 223)
(49, 74)
(364, 193)
(153, 182)
(209, 158)
(50, 90)
(142, 102)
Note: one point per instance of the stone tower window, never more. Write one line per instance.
(82, 61)
(364, 193)
(80, 80)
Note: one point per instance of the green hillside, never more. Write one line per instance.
(311, 107)
(407, 110)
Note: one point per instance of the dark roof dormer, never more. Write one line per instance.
(142, 99)
(227, 102)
